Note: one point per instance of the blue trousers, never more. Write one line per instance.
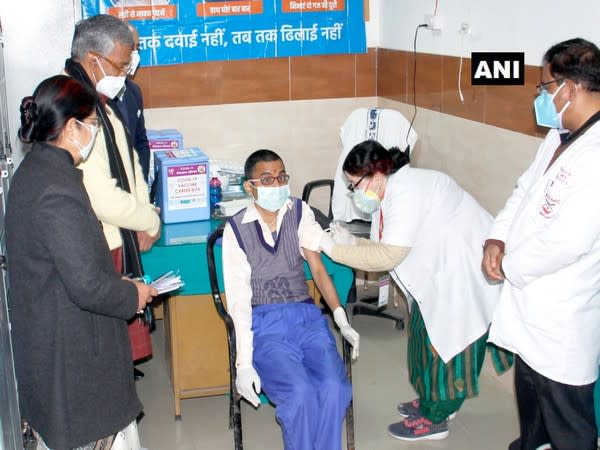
(302, 373)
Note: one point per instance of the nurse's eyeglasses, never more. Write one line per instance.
(268, 180)
(352, 186)
(542, 86)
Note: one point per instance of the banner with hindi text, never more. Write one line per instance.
(182, 31)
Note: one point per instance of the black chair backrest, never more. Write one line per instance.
(213, 240)
(235, 417)
(320, 217)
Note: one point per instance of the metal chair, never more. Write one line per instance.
(320, 217)
(235, 413)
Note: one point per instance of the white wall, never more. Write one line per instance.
(373, 31)
(529, 26)
(485, 160)
(305, 133)
(37, 33)
(37, 40)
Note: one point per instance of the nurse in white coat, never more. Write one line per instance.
(545, 245)
(386, 126)
(427, 232)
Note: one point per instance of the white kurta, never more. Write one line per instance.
(445, 227)
(549, 311)
(388, 127)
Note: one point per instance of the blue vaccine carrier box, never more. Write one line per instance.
(182, 192)
(162, 140)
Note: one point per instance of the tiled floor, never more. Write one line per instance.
(488, 422)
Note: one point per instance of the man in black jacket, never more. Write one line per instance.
(131, 104)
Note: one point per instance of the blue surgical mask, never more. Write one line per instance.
(366, 201)
(545, 111)
(272, 198)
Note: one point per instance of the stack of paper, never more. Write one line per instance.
(168, 282)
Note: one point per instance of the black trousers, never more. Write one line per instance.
(552, 412)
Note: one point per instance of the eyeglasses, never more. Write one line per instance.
(268, 180)
(352, 186)
(122, 68)
(93, 121)
(542, 86)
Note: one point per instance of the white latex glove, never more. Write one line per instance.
(247, 383)
(340, 234)
(326, 243)
(349, 333)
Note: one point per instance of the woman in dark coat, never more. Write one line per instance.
(69, 307)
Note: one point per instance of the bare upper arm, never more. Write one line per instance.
(314, 261)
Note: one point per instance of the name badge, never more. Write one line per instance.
(384, 290)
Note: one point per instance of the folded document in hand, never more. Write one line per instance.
(168, 282)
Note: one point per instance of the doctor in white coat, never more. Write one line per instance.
(427, 232)
(545, 245)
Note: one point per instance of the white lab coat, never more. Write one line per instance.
(445, 227)
(388, 127)
(549, 310)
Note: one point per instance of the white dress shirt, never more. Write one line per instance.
(237, 271)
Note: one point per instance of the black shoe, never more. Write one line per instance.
(418, 429)
(137, 374)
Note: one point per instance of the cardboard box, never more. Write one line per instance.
(162, 140)
(182, 185)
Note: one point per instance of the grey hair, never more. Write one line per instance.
(99, 34)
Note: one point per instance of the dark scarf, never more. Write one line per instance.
(131, 254)
(567, 138)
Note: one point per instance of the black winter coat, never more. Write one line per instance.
(68, 307)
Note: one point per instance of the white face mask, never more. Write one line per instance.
(366, 201)
(109, 85)
(272, 198)
(135, 62)
(84, 150)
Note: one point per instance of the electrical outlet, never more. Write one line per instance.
(434, 21)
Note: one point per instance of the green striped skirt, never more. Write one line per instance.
(441, 387)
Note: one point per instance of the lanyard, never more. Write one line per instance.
(572, 137)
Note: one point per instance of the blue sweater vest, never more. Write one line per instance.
(278, 271)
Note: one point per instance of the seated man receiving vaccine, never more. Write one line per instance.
(283, 342)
